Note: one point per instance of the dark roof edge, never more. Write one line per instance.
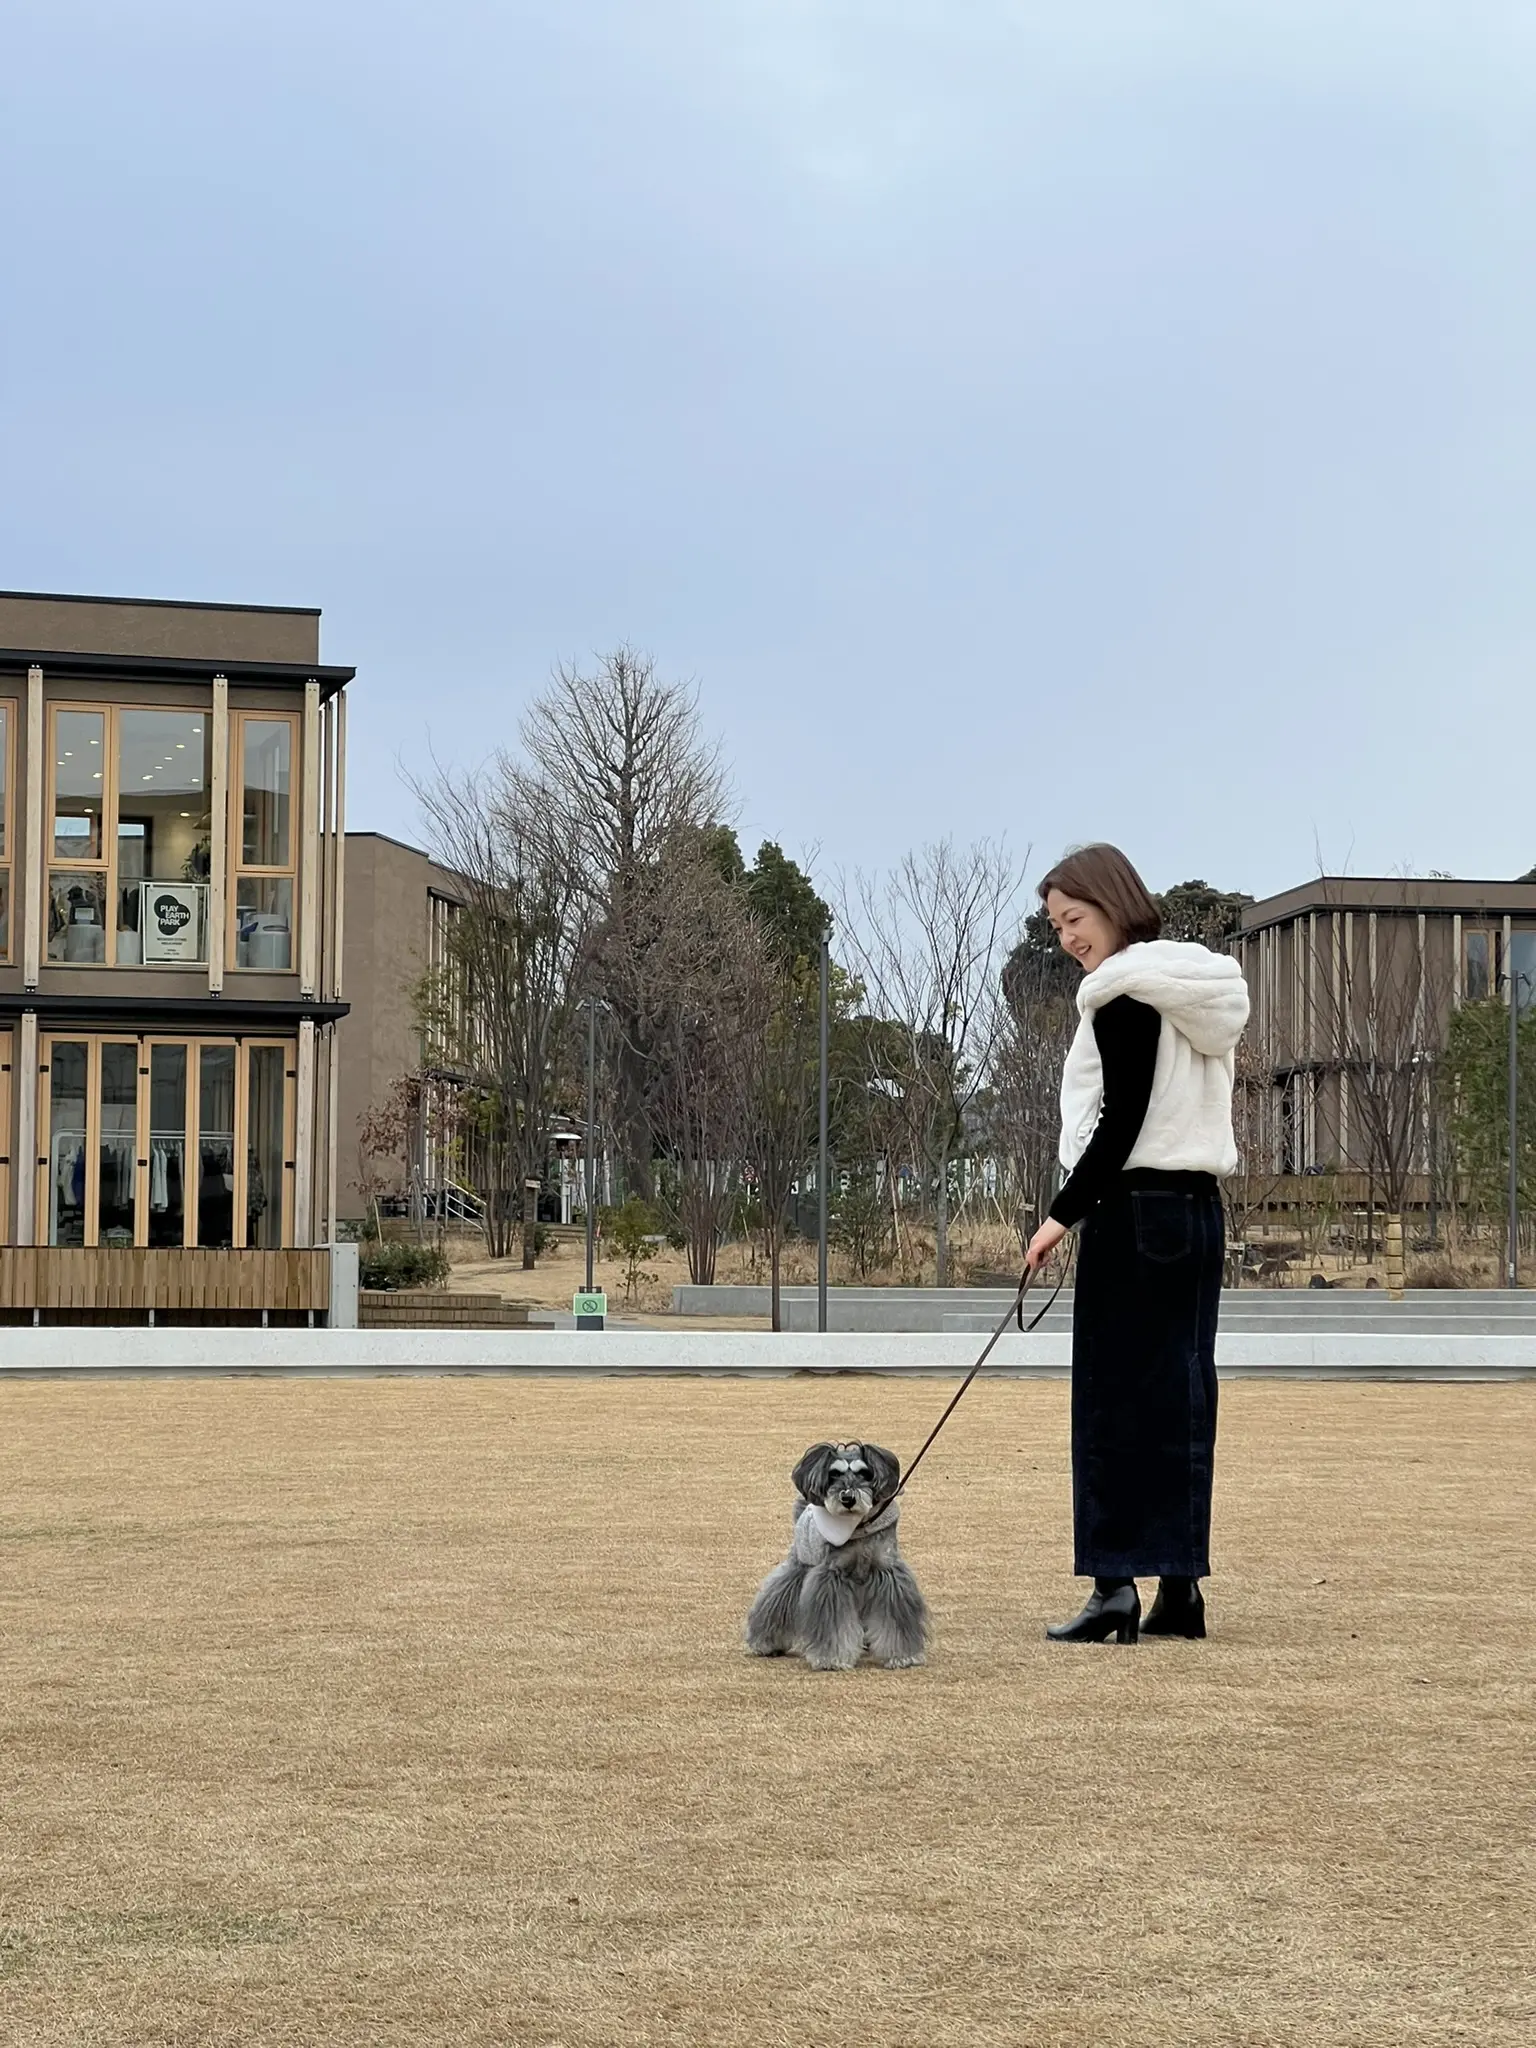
(172, 604)
(177, 667)
(149, 1013)
(405, 845)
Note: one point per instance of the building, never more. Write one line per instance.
(171, 892)
(400, 912)
(399, 906)
(1353, 984)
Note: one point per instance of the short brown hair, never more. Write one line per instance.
(1102, 876)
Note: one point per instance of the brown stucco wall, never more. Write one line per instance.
(384, 951)
(140, 627)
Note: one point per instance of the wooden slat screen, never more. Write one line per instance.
(49, 1276)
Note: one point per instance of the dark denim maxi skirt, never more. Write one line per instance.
(1149, 1270)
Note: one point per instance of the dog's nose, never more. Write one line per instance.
(850, 1500)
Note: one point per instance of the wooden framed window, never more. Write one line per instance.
(1522, 947)
(8, 714)
(264, 841)
(1482, 962)
(166, 1141)
(7, 1061)
(130, 806)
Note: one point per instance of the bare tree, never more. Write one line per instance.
(1355, 1044)
(925, 942)
(498, 1012)
(1039, 986)
(626, 769)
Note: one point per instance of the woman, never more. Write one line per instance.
(1146, 1126)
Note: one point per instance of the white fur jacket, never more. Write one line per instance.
(1203, 1001)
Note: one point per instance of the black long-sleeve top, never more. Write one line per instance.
(1126, 1033)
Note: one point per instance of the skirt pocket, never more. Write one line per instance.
(1165, 1224)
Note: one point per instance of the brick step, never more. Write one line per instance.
(432, 1309)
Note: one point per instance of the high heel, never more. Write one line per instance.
(1181, 1614)
(1116, 1614)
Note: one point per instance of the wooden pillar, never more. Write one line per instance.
(339, 937)
(218, 835)
(327, 843)
(332, 1120)
(309, 844)
(304, 1137)
(26, 1175)
(35, 855)
(1456, 961)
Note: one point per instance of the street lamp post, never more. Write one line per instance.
(821, 1153)
(591, 1135)
(1512, 1247)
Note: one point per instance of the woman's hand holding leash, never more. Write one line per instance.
(1043, 1243)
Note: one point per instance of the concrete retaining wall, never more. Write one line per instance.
(120, 1353)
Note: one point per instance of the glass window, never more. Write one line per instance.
(264, 922)
(267, 1101)
(5, 827)
(216, 1145)
(265, 808)
(199, 1160)
(79, 785)
(167, 1144)
(77, 916)
(117, 1172)
(67, 1068)
(1523, 961)
(1479, 967)
(164, 812)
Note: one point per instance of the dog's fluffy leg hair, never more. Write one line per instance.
(896, 1616)
(831, 1630)
(772, 1623)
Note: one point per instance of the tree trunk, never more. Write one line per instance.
(1394, 1248)
(773, 1268)
(530, 1223)
(941, 1228)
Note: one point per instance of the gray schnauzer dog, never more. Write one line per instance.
(844, 1586)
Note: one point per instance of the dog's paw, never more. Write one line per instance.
(766, 1650)
(905, 1663)
(829, 1664)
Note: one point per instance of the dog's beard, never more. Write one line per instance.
(835, 1524)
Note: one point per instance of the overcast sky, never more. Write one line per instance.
(1102, 419)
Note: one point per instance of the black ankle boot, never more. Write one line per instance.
(1178, 1610)
(1116, 1613)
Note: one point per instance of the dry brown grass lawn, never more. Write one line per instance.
(362, 1713)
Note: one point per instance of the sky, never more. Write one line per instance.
(1056, 422)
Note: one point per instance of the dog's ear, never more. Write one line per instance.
(884, 1469)
(813, 1471)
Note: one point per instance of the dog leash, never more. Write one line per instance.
(1014, 1311)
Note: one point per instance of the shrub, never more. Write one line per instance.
(632, 1232)
(394, 1265)
(1441, 1273)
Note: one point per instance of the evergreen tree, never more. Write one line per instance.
(784, 901)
